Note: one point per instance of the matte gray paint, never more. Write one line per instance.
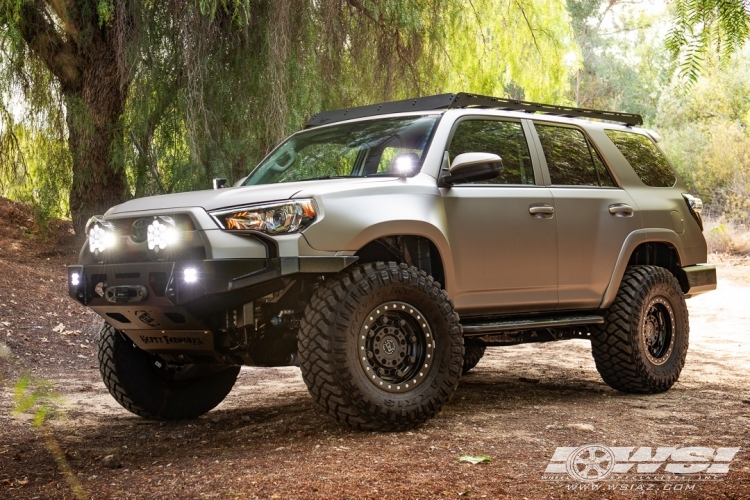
(496, 256)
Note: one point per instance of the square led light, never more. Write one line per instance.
(191, 275)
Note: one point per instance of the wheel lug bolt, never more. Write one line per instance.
(412, 359)
(370, 334)
(370, 354)
(385, 320)
(413, 339)
(402, 322)
(381, 371)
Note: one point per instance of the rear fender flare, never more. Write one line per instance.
(633, 240)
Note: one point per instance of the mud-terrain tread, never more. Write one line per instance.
(190, 399)
(473, 352)
(108, 371)
(321, 352)
(614, 344)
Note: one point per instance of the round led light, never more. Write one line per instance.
(160, 235)
(101, 237)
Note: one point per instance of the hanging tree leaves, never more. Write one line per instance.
(142, 97)
(706, 26)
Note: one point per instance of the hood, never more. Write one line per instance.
(212, 199)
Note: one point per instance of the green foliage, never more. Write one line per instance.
(35, 396)
(706, 136)
(703, 27)
(213, 85)
(622, 62)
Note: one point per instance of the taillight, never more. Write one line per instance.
(695, 205)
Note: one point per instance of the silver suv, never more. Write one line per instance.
(383, 248)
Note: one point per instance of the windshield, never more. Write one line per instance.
(391, 146)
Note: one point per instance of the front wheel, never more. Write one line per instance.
(473, 352)
(642, 345)
(380, 347)
(146, 386)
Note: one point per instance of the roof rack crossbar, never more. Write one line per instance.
(464, 100)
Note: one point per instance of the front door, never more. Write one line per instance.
(502, 232)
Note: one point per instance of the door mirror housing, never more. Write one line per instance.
(473, 167)
(219, 182)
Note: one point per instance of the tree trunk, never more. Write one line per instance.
(95, 135)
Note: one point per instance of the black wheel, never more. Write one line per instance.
(642, 345)
(144, 385)
(380, 347)
(473, 352)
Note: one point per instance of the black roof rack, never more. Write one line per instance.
(464, 100)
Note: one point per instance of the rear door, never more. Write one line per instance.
(503, 232)
(594, 215)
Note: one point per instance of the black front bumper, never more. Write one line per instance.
(168, 282)
(171, 302)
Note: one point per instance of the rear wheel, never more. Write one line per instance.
(642, 345)
(146, 386)
(380, 347)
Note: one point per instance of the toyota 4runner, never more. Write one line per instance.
(384, 247)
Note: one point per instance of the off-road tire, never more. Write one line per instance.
(619, 346)
(473, 352)
(137, 384)
(333, 326)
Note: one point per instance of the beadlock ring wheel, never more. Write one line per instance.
(658, 330)
(396, 347)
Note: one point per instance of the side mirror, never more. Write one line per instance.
(473, 167)
(219, 182)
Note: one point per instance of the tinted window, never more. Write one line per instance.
(644, 157)
(505, 139)
(571, 159)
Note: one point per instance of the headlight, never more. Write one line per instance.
(101, 234)
(271, 218)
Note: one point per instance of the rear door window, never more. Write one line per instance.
(571, 158)
(645, 158)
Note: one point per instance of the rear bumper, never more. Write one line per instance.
(699, 279)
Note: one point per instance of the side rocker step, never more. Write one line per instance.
(515, 325)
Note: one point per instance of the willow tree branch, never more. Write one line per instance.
(58, 54)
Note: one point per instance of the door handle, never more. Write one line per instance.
(542, 211)
(621, 210)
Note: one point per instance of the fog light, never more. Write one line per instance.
(191, 275)
(75, 279)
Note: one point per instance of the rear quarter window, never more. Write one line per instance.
(648, 162)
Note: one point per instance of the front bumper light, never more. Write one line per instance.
(271, 218)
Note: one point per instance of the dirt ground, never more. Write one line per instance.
(269, 440)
